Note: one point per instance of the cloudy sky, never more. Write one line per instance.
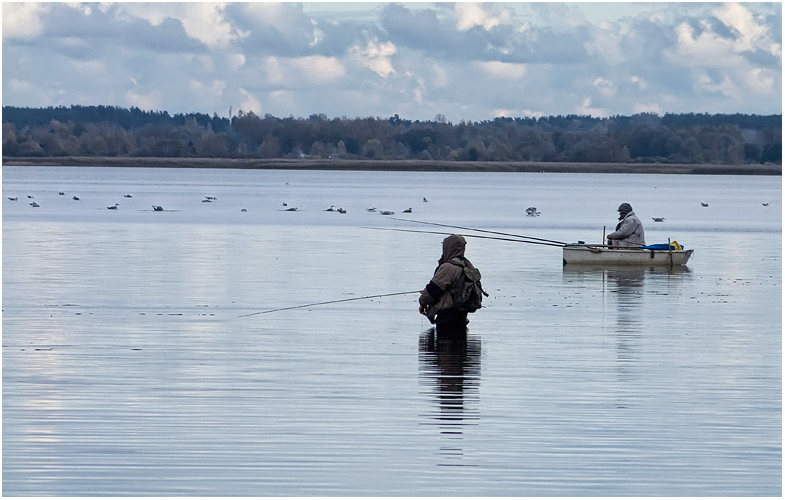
(466, 61)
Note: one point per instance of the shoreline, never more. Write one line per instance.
(398, 165)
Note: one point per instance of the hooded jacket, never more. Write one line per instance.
(437, 295)
(629, 232)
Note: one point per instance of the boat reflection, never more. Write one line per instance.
(624, 293)
(450, 365)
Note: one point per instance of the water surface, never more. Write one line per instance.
(130, 368)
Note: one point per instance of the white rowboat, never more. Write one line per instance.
(603, 255)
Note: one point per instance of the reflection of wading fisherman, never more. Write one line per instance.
(438, 299)
(629, 231)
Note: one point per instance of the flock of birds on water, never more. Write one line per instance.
(530, 212)
(210, 199)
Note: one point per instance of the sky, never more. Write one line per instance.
(463, 61)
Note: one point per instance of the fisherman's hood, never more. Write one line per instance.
(453, 246)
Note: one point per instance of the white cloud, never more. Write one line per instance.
(705, 49)
(649, 108)
(19, 85)
(419, 91)
(440, 77)
(639, 82)
(761, 80)
(742, 20)
(319, 69)
(606, 87)
(604, 44)
(249, 102)
(467, 60)
(318, 35)
(724, 85)
(209, 93)
(204, 22)
(503, 70)
(469, 14)
(530, 113)
(511, 113)
(236, 61)
(22, 20)
(151, 100)
(84, 8)
(271, 14)
(375, 55)
(585, 108)
(299, 71)
(281, 101)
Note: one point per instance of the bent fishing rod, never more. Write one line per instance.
(560, 243)
(554, 244)
(328, 302)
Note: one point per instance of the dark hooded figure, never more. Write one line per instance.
(436, 300)
(629, 230)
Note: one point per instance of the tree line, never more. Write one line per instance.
(730, 139)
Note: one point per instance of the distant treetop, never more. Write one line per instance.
(643, 138)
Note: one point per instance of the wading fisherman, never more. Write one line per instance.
(629, 230)
(444, 300)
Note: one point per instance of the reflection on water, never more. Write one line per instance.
(128, 371)
(450, 363)
(627, 286)
(624, 291)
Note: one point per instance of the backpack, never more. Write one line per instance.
(467, 295)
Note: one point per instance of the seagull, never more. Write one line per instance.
(158, 208)
(704, 204)
(114, 207)
(75, 198)
(658, 219)
(331, 209)
(408, 210)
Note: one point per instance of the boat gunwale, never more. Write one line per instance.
(683, 255)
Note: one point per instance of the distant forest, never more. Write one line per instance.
(736, 139)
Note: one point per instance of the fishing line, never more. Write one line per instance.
(468, 236)
(561, 243)
(328, 302)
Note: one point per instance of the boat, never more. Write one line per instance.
(666, 254)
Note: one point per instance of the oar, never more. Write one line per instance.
(468, 236)
(561, 243)
(329, 302)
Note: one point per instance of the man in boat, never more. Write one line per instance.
(436, 300)
(629, 230)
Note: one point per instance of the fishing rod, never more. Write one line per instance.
(329, 302)
(468, 236)
(560, 243)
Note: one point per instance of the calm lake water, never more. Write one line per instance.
(131, 366)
